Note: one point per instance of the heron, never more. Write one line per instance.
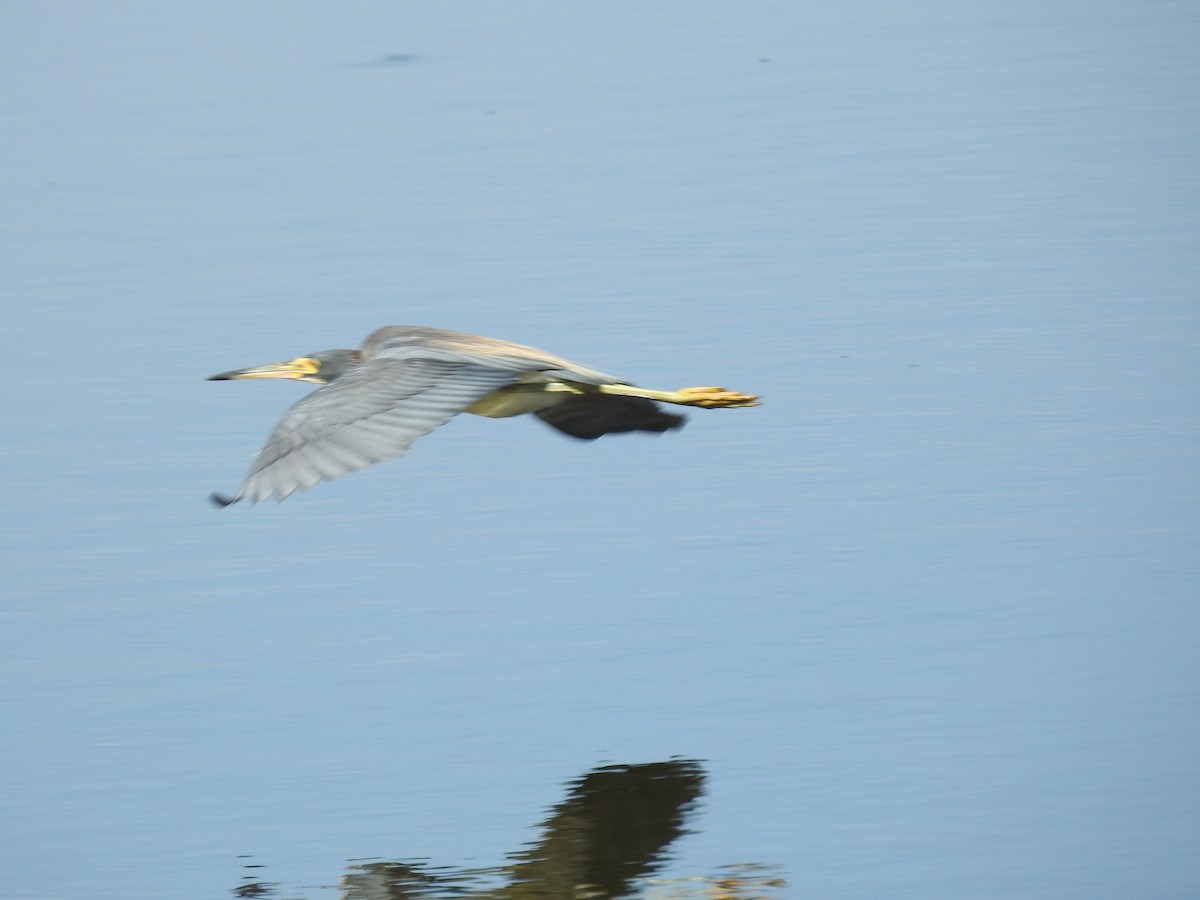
(407, 380)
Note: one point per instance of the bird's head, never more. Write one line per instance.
(319, 368)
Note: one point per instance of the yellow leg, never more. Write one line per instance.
(706, 397)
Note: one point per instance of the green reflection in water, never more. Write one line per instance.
(607, 839)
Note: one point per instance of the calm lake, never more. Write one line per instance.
(924, 624)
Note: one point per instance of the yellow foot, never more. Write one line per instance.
(715, 398)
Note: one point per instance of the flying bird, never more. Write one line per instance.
(406, 380)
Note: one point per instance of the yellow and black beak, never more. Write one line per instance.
(302, 368)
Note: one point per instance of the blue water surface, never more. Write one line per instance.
(928, 616)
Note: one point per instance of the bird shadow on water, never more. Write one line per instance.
(607, 839)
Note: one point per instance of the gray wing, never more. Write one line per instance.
(415, 342)
(370, 414)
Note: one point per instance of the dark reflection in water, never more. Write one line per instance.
(605, 840)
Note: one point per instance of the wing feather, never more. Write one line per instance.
(415, 342)
(369, 415)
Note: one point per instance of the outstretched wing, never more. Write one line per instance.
(370, 414)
